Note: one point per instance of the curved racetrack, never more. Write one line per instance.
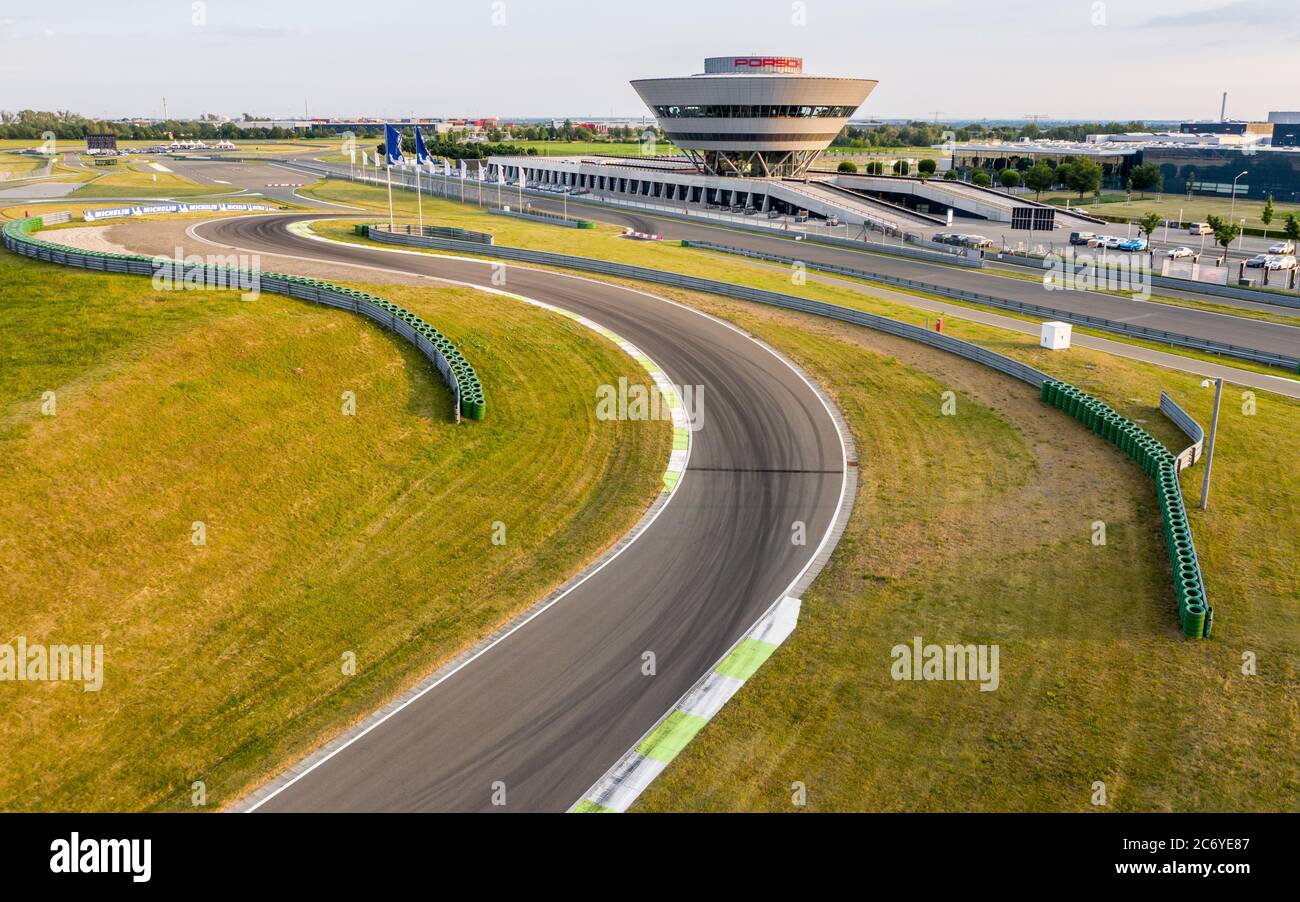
(550, 707)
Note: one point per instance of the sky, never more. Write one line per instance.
(945, 59)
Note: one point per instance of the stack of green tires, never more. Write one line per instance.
(1194, 612)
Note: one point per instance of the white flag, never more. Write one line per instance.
(462, 170)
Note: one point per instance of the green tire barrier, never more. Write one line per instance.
(1194, 612)
(455, 370)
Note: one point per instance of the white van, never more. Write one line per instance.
(1200, 228)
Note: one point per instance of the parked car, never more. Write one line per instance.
(1077, 211)
(1077, 238)
(1285, 247)
(1133, 244)
(975, 241)
(773, 214)
(1200, 228)
(750, 211)
(1286, 261)
(1258, 261)
(1097, 241)
(1180, 252)
(832, 220)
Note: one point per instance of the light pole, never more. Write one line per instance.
(1214, 429)
(1232, 211)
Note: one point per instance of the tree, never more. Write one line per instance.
(1148, 224)
(847, 166)
(981, 178)
(1147, 177)
(927, 167)
(1291, 229)
(1040, 178)
(1266, 215)
(1063, 172)
(1225, 232)
(1009, 178)
(901, 167)
(1083, 176)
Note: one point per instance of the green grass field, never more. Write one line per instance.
(326, 534)
(953, 542)
(14, 166)
(136, 178)
(977, 528)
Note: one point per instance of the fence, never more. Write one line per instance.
(1276, 297)
(1192, 453)
(1079, 319)
(456, 371)
(1195, 614)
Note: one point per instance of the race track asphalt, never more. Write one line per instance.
(550, 707)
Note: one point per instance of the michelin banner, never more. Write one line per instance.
(152, 209)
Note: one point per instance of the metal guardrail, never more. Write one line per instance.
(1080, 319)
(1000, 362)
(543, 217)
(456, 371)
(1192, 429)
(448, 232)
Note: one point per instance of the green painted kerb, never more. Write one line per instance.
(671, 736)
(745, 658)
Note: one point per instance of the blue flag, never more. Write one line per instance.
(421, 155)
(393, 145)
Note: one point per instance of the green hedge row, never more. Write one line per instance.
(473, 403)
(1194, 611)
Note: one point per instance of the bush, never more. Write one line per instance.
(847, 166)
(981, 178)
(1009, 178)
(927, 167)
(950, 175)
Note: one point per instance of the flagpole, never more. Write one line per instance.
(389, 167)
(419, 200)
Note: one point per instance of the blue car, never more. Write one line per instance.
(1133, 244)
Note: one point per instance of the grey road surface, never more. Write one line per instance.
(553, 705)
